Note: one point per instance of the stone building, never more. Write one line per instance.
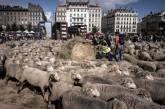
(36, 14)
(16, 14)
(79, 12)
(21, 16)
(153, 23)
(120, 20)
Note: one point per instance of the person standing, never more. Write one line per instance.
(116, 40)
(121, 45)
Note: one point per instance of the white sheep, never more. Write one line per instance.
(37, 77)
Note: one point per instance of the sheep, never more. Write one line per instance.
(2, 62)
(145, 56)
(75, 100)
(134, 102)
(104, 89)
(59, 88)
(122, 80)
(160, 73)
(110, 91)
(56, 91)
(149, 66)
(37, 77)
(130, 59)
(13, 70)
(160, 65)
(78, 79)
(144, 75)
(155, 87)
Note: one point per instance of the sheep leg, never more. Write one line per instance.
(6, 80)
(43, 93)
(49, 103)
(58, 104)
(21, 87)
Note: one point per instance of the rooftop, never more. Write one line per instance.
(121, 10)
(73, 2)
(151, 14)
(94, 6)
(10, 8)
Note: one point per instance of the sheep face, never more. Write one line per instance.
(142, 93)
(53, 77)
(145, 75)
(2, 58)
(90, 90)
(128, 82)
(77, 78)
(52, 60)
(50, 69)
(150, 77)
(94, 92)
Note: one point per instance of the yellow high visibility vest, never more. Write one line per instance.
(105, 49)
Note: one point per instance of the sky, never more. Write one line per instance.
(143, 7)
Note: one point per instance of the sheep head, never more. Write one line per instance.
(144, 94)
(145, 75)
(89, 90)
(53, 77)
(128, 82)
(50, 68)
(150, 77)
(77, 78)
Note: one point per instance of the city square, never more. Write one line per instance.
(82, 54)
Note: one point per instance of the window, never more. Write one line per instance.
(134, 26)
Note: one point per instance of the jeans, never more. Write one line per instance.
(119, 52)
(111, 56)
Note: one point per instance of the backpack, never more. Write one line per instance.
(121, 40)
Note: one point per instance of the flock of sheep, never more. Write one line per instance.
(137, 82)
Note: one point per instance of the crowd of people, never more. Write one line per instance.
(148, 38)
(14, 36)
(110, 47)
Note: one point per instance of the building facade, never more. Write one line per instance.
(153, 23)
(79, 12)
(10, 15)
(36, 14)
(120, 20)
(21, 16)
